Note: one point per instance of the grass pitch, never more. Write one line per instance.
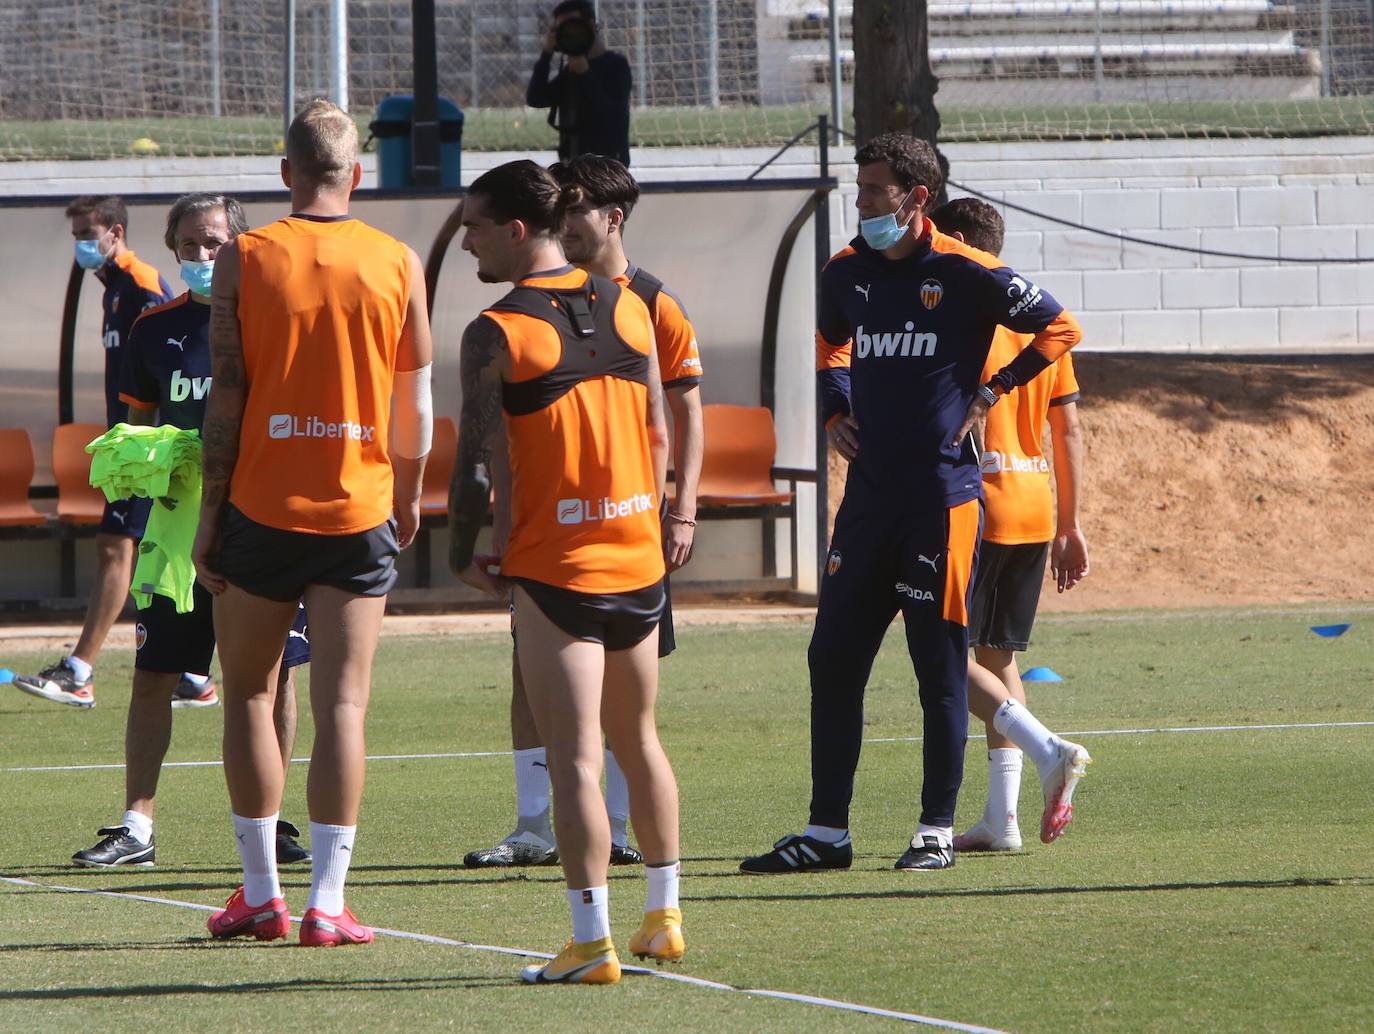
(1213, 880)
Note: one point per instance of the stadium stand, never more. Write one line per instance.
(1072, 51)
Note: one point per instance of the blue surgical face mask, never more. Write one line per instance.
(883, 231)
(89, 255)
(198, 275)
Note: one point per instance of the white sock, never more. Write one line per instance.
(79, 667)
(1004, 788)
(945, 834)
(1021, 727)
(331, 851)
(199, 681)
(257, 839)
(826, 834)
(663, 885)
(617, 801)
(591, 914)
(140, 826)
(531, 782)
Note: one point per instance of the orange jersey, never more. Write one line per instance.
(322, 304)
(1016, 475)
(583, 498)
(679, 361)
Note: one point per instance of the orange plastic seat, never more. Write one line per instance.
(77, 501)
(737, 460)
(443, 454)
(16, 474)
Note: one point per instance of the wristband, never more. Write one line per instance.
(988, 395)
(681, 518)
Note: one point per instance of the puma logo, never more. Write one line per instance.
(181, 344)
(293, 634)
(921, 558)
(539, 764)
(863, 290)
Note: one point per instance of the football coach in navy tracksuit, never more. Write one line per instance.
(906, 316)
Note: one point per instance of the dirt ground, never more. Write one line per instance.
(1222, 481)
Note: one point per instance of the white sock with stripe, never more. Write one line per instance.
(532, 783)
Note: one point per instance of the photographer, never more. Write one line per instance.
(589, 97)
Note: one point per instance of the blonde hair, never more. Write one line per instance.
(322, 144)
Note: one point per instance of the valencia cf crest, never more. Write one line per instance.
(140, 635)
(931, 293)
(832, 563)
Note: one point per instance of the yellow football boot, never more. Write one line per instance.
(659, 937)
(593, 962)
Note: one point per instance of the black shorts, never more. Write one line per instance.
(126, 517)
(667, 640)
(168, 642)
(1006, 594)
(618, 620)
(280, 564)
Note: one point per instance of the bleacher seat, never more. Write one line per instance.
(77, 501)
(16, 474)
(737, 459)
(443, 453)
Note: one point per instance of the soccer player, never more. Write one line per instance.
(569, 357)
(166, 374)
(100, 226)
(320, 350)
(918, 310)
(1019, 529)
(593, 239)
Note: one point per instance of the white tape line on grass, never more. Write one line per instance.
(827, 1003)
(1181, 728)
(883, 739)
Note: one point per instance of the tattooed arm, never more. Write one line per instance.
(223, 414)
(482, 366)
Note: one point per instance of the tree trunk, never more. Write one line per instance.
(894, 88)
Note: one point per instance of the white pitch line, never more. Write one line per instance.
(679, 978)
(881, 739)
(1181, 728)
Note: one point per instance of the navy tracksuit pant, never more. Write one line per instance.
(881, 562)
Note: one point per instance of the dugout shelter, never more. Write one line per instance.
(743, 256)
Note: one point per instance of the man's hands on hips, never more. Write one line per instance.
(975, 417)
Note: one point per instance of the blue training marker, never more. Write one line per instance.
(1041, 675)
(6, 676)
(1330, 631)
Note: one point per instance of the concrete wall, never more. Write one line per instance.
(1302, 199)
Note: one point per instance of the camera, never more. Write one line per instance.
(574, 37)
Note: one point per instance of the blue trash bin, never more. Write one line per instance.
(392, 130)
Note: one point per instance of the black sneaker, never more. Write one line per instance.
(519, 849)
(929, 854)
(288, 850)
(118, 848)
(626, 855)
(798, 853)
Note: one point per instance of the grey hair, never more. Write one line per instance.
(188, 203)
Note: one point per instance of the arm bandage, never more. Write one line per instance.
(412, 413)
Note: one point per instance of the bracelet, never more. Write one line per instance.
(681, 518)
(988, 395)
